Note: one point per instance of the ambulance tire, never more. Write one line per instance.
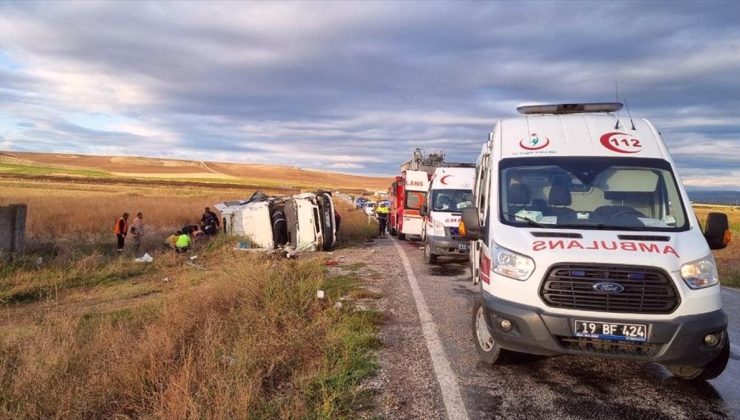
(393, 232)
(488, 351)
(704, 373)
(429, 257)
(401, 236)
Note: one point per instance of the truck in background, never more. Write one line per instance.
(408, 193)
(450, 191)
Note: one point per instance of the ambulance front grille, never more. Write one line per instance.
(647, 290)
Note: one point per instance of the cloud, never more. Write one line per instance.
(357, 86)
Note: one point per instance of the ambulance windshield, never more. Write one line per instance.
(451, 200)
(591, 193)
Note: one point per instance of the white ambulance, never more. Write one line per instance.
(450, 191)
(584, 242)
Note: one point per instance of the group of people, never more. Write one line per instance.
(122, 230)
(180, 241)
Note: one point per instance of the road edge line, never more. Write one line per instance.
(451, 396)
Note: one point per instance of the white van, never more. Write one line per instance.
(584, 242)
(450, 191)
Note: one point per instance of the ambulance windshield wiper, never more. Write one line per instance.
(529, 221)
(600, 226)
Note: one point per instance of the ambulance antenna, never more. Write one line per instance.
(628, 113)
(616, 94)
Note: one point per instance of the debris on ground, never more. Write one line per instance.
(242, 246)
(331, 263)
(338, 305)
(320, 294)
(228, 360)
(199, 267)
(146, 258)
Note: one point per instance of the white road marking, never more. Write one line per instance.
(451, 395)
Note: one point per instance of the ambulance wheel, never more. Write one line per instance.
(704, 373)
(393, 232)
(488, 351)
(429, 257)
(401, 236)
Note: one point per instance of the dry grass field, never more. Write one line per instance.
(87, 333)
(50, 164)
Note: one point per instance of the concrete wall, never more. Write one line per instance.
(12, 227)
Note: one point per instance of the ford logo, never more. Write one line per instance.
(608, 288)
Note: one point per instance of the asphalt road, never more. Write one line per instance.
(565, 386)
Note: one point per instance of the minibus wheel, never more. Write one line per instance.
(488, 350)
(704, 373)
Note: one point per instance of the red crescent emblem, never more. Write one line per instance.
(442, 180)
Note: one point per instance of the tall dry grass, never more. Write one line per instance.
(72, 215)
(80, 213)
(355, 225)
(246, 339)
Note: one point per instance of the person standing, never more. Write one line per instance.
(209, 222)
(382, 214)
(137, 230)
(120, 229)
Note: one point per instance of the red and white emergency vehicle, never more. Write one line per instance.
(408, 193)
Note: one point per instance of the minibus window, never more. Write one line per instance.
(591, 193)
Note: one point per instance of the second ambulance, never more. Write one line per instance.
(450, 191)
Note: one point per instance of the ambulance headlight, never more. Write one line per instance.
(439, 228)
(700, 273)
(511, 264)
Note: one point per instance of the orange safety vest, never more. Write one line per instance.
(117, 227)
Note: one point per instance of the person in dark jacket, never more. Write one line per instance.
(209, 222)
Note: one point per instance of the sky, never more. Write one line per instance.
(355, 87)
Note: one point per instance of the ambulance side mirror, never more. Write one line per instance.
(470, 224)
(717, 231)
(424, 210)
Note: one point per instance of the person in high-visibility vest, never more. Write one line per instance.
(121, 229)
(382, 214)
(183, 242)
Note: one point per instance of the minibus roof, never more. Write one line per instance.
(578, 135)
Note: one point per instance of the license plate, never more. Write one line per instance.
(462, 247)
(611, 330)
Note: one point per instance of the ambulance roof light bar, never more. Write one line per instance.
(570, 108)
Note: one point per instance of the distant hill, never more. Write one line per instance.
(141, 168)
(715, 197)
